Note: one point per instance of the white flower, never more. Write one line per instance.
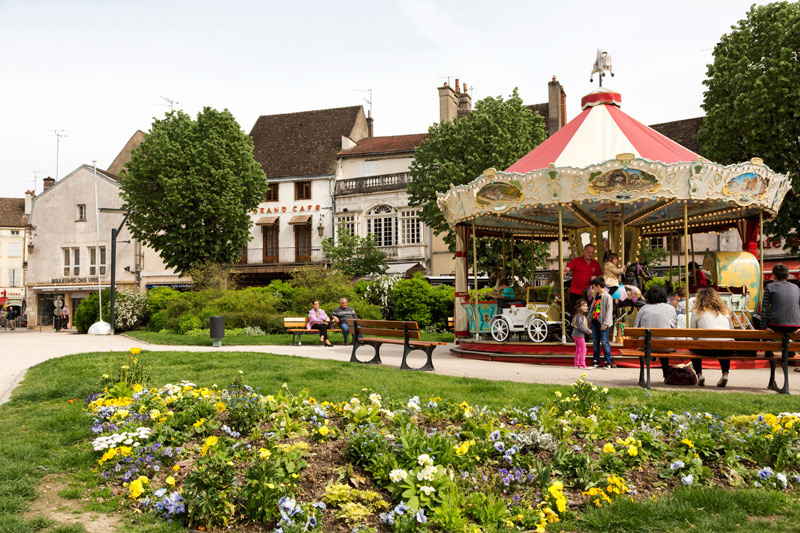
(375, 398)
(427, 490)
(397, 474)
(427, 473)
(424, 460)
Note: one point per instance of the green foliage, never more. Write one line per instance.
(655, 281)
(649, 255)
(210, 275)
(752, 101)
(190, 186)
(415, 299)
(130, 310)
(496, 134)
(87, 312)
(159, 297)
(354, 256)
(210, 486)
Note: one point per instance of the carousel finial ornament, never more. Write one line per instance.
(601, 64)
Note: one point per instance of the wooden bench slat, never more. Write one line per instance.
(683, 354)
(399, 332)
(710, 333)
(384, 324)
(701, 344)
(380, 332)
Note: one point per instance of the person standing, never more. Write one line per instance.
(318, 319)
(710, 312)
(12, 317)
(602, 319)
(579, 332)
(781, 303)
(583, 269)
(340, 315)
(65, 316)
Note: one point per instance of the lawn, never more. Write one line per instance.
(45, 432)
(173, 339)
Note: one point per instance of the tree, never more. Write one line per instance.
(496, 134)
(752, 101)
(355, 256)
(190, 186)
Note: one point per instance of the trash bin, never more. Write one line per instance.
(217, 329)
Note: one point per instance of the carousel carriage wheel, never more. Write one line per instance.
(537, 330)
(499, 329)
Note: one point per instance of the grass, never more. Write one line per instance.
(44, 433)
(285, 339)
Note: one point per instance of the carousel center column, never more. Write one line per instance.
(461, 294)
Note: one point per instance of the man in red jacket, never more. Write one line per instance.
(583, 269)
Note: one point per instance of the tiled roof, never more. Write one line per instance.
(683, 132)
(302, 144)
(542, 109)
(386, 145)
(12, 212)
(124, 155)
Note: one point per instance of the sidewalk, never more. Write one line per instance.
(23, 349)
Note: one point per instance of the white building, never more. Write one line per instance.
(13, 250)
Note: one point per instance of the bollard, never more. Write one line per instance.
(217, 330)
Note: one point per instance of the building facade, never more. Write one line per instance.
(13, 251)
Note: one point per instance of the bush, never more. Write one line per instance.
(159, 297)
(130, 310)
(158, 321)
(87, 312)
(413, 299)
(188, 322)
(379, 292)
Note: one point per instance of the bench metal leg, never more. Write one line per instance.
(641, 372)
(647, 338)
(428, 366)
(376, 359)
(772, 385)
(785, 363)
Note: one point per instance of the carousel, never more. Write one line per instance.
(603, 177)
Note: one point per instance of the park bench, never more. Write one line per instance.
(376, 333)
(744, 344)
(296, 325)
(451, 323)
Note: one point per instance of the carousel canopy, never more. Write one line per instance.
(606, 170)
(599, 133)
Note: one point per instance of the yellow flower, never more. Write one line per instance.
(199, 422)
(462, 449)
(210, 441)
(170, 481)
(323, 430)
(176, 468)
(609, 448)
(688, 443)
(220, 406)
(135, 351)
(633, 451)
(264, 453)
(135, 489)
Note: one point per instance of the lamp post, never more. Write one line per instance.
(114, 234)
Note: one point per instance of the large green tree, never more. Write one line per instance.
(355, 256)
(496, 134)
(190, 186)
(752, 103)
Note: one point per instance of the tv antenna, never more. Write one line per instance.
(36, 178)
(367, 100)
(170, 103)
(446, 78)
(58, 134)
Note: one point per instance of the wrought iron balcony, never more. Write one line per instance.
(289, 255)
(367, 184)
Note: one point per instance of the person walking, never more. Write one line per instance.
(583, 269)
(11, 316)
(579, 331)
(602, 319)
(317, 319)
(65, 316)
(781, 303)
(710, 312)
(340, 315)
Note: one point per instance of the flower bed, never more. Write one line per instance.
(212, 457)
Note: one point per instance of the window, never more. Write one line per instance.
(270, 236)
(67, 257)
(81, 211)
(366, 168)
(272, 193)
(92, 261)
(412, 229)
(302, 190)
(102, 260)
(657, 242)
(302, 243)
(346, 223)
(14, 232)
(76, 261)
(14, 249)
(13, 277)
(382, 223)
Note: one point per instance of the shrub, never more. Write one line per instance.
(87, 312)
(158, 321)
(413, 299)
(130, 310)
(655, 281)
(379, 292)
(188, 322)
(159, 297)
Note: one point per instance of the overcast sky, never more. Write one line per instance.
(101, 69)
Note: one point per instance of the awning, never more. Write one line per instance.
(404, 268)
(70, 288)
(792, 264)
(267, 221)
(300, 219)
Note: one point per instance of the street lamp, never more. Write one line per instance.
(114, 234)
(321, 226)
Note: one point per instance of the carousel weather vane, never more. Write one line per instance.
(601, 64)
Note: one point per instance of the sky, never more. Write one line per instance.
(81, 76)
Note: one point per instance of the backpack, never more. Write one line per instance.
(681, 375)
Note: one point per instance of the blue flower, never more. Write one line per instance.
(687, 480)
(677, 465)
(400, 509)
(765, 473)
(494, 435)
(312, 521)
(420, 516)
(499, 446)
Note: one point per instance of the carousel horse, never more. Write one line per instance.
(637, 275)
(601, 64)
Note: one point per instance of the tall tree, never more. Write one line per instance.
(752, 103)
(355, 256)
(190, 186)
(496, 134)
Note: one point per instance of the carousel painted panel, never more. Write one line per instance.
(486, 312)
(736, 269)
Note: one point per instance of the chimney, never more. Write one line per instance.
(556, 107)
(448, 103)
(464, 102)
(457, 89)
(370, 121)
(28, 202)
(48, 182)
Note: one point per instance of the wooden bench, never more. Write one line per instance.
(451, 323)
(376, 333)
(744, 345)
(296, 325)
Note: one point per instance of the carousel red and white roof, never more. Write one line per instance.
(601, 132)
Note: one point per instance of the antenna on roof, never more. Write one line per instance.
(367, 100)
(58, 134)
(446, 78)
(36, 178)
(170, 103)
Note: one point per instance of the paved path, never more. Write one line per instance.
(23, 349)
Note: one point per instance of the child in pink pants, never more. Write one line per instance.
(579, 331)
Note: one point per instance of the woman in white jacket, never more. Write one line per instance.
(710, 312)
